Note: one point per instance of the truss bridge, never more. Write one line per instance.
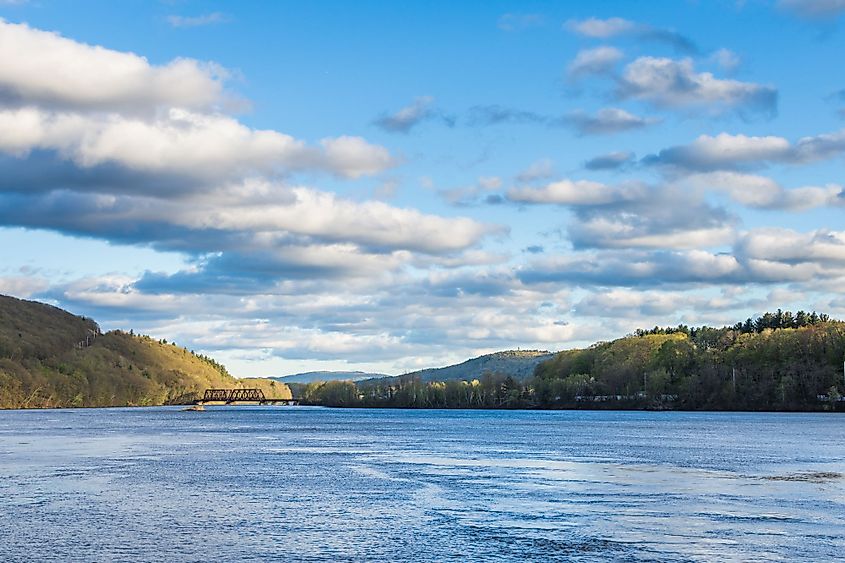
(240, 397)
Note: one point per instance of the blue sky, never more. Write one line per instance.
(389, 186)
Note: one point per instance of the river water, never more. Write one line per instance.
(311, 484)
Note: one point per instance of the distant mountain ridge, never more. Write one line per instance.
(518, 364)
(312, 376)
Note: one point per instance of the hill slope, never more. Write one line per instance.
(43, 365)
(778, 361)
(518, 364)
(312, 376)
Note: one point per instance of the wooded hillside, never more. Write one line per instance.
(778, 361)
(51, 358)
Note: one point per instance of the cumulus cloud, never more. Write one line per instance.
(631, 303)
(633, 215)
(470, 309)
(633, 269)
(764, 193)
(183, 142)
(569, 192)
(405, 119)
(607, 121)
(597, 28)
(675, 83)
(761, 256)
(133, 153)
(599, 60)
(659, 217)
(600, 29)
(728, 152)
(233, 219)
(724, 151)
(197, 21)
(641, 305)
(22, 285)
(667, 221)
(351, 157)
(59, 73)
(792, 248)
(611, 161)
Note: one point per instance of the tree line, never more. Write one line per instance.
(778, 361)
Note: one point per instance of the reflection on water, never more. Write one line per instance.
(241, 483)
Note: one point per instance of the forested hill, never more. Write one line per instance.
(518, 364)
(779, 361)
(312, 376)
(51, 358)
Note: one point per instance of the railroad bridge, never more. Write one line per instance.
(240, 396)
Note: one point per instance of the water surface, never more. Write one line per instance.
(310, 484)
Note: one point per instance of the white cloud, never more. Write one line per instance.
(726, 151)
(182, 142)
(614, 268)
(137, 154)
(762, 192)
(61, 73)
(22, 286)
(610, 28)
(760, 256)
(569, 192)
(353, 157)
(638, 231)
(601, 29)
(326, 216)
(823, 247)
(599, 60)
(607, 121)
(241, 218)
(670, 83)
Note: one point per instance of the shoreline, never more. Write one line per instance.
(487, 409)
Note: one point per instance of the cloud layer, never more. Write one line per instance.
(531, 220)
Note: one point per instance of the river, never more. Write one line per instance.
(312, 484)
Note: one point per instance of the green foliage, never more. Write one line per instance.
(43, 365)
(518, 363)
(779, 361)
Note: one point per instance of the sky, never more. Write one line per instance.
(387, 186)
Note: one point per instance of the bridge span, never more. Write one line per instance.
(240, 397)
